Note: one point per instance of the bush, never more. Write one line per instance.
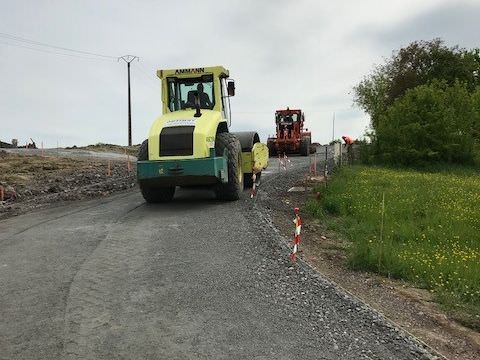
(431, 123)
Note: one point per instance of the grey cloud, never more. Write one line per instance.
(456, 23)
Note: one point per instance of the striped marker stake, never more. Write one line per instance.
(286, 161)
(296, 236)
(129, 163)
(2, 193)
(253, 193)
(283, 162)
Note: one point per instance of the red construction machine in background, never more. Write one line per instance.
(290, 137)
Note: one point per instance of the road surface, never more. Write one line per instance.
(116, 278)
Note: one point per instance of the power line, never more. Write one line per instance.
(147, 76)
(148, 83)
(155, 67)
(52, 52)
(38, 43)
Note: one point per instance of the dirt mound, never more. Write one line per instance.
(30, 182)
(101, 147)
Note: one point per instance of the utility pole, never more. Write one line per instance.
(333, 127)
(128, 59)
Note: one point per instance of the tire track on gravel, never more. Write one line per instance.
(71, 213)
(89, 302)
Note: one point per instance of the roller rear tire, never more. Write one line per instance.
(233, 188)
(305, 146)
(272, 152)
(143, 151)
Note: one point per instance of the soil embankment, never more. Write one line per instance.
(35, 181)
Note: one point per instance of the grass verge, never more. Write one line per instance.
(429, 233)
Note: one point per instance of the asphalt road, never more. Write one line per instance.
(116, 278)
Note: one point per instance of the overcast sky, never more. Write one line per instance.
(301, 53)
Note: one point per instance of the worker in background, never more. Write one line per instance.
(289, 121)
(348, 145)
(348, 140)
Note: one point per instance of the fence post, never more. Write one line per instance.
(381, 230)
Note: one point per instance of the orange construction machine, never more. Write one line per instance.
(290, 137)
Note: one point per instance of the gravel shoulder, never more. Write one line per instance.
(410, 308)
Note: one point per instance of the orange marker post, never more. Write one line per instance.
(296, 236)
(129, 168)
(253, 193)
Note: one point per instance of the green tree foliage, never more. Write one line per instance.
(430, 123)
(423, 103)
(476, 105)
(371, 94)
(421, 62)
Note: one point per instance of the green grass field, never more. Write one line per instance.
(430, 234)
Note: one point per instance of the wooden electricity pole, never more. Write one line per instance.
(128, 59)
(333, 127)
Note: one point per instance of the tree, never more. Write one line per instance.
(476, 122)
(419, 63)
